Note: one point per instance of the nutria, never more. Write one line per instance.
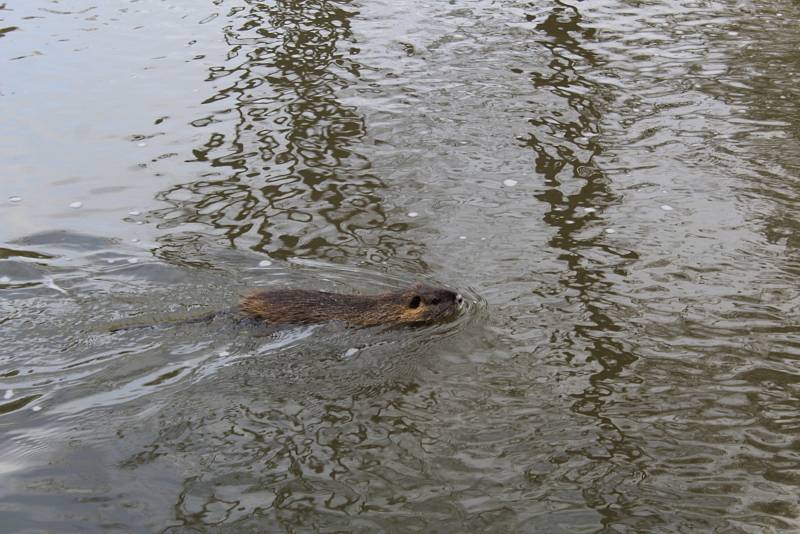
(415, 305)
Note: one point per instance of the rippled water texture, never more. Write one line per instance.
(613, 185)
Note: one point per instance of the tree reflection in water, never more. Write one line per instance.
(288, 180)
(565, 152)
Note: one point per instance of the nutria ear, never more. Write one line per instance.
(415, 300)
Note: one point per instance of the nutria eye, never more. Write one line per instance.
(414, 302)
(435, 301)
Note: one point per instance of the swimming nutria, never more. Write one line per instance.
(414, 305)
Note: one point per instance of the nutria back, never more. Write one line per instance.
(414, 305)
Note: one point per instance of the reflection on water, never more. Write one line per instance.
(577, 194)
(289, 179)
(617, 181)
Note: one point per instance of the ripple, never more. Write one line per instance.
(642, 380)
(18, 404)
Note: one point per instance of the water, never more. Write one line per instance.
(622, 366)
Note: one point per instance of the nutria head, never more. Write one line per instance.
(415, 305)
(426, 304)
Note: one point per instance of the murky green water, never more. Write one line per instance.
(613, 184)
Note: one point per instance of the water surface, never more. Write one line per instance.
(612, 184)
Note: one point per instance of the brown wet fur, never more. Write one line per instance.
(415, 305)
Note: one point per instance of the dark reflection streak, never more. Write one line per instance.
(554, 158)
(289, 175)
(775, 166)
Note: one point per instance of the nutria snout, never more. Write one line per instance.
(415, 305)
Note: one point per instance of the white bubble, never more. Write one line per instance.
(134, 212)
(133, 260)
(462, 237)
(36, 408)
(733, 34)
(224, 353)
(134, 240)
(665, 207)
(510, 183)
(140, 223)
(4, 279)
(610, 230)
(483, 239)
(569, 221)
(76, 205)
(264, 263)
(141, 144)
(412, 213)
(8, 394)
(589, 210)
(349, 353)
(15, 199)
